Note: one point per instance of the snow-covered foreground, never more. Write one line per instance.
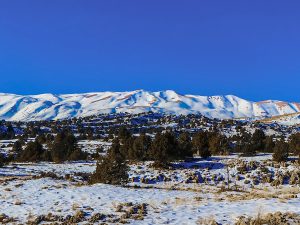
(39, 197)
(25, 195)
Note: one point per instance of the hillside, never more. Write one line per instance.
(51, 107)
(286, 119)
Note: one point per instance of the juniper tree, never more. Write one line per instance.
(185, 145)
(258, 140)
(294, 143)
(269, 144)
(140, 148)
(201, 145)
(248, 149)
(218, 144)
(17, 147)
(64, 147)
(164, 149)
(111, 169)
(281, 151)
(10, 132)
(2, 159)
(33, 152)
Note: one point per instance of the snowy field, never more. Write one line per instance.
(188, 193)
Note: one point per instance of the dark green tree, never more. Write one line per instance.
(201, 144)
(41, 138)
(111, 169)
(10, 132)
(164, 149)
(17, 147)
(140, 148)
(294, 144)
(218, 144)
(33, 152)
(64, 147)
(2, 159)
(269, 144)
(123, 133)
(185, 145)
(258, 140)
(248, 149)
(281, 151)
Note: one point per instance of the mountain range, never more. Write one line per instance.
(51, 107)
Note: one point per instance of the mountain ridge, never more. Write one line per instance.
(62, 106)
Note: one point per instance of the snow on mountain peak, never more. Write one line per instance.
(50, 106)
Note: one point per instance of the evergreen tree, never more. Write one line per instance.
(126, 141)
(281, 151)
(201, 145)
(17, 147)
(41, 138)
(33, 152)
(2, 159)
(185, 145)
(164, 149)
(218, 144)
(77, 154)
(10, 132)
(112, 169)
(140, 148)
(269, 144)
(64, 147)
(214, 143)
(126, 146)
(294, 143)
(258, 140)
(248, 149)
(123, 133)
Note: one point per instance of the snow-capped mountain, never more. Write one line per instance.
(49, 106)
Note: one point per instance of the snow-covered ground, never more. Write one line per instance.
(91, 146)
(172, 196)
(20, 199)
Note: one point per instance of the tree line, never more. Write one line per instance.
(167, 147)
(59, 148)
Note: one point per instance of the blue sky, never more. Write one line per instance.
(247, 48)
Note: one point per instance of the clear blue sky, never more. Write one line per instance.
(247, 48)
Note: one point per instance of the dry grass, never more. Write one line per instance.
(268, 120)
(281, 194)
(206, 221)
(277, 218)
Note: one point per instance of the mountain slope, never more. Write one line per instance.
(49, 106)
(286, 119)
